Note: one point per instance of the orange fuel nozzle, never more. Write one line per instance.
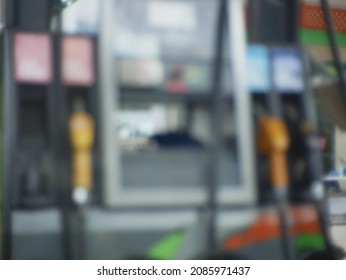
(81, 129)
(273, 140)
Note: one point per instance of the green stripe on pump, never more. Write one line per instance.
(167, 248)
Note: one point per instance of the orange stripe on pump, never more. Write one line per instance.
(304, 220)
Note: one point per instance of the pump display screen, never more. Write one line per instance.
(288, 75)
(32, 58)
(77, 61)
(258, 69)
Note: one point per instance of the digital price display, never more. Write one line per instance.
(288, 75)
(32, 58)
(78, 61)
(258, 69)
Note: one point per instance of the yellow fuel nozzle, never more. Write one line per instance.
(273, 141)
(81, 129)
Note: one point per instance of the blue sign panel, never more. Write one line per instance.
(258, 69)
(288, 75)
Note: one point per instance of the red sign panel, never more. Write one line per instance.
(32, 58)
(77, 61)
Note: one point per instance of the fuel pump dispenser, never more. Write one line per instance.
(50, 115)
(79, 100)
(289, 99)
(30, 116)
(286, 134)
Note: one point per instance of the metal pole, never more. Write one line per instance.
(8, 131)
(216, 121)
(109, 99)
(242, 98)
(64, 184)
